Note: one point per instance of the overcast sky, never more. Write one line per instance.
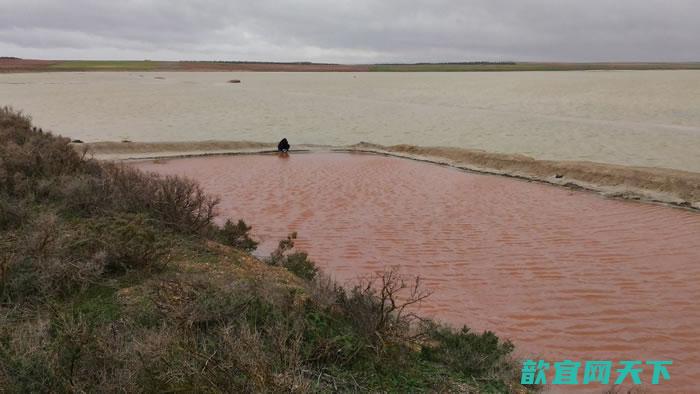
(353, 31)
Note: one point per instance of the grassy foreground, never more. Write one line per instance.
(113, 280)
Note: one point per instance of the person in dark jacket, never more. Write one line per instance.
(283, 146)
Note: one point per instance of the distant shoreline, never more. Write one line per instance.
(16, 65)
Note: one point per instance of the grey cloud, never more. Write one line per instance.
(354, 31)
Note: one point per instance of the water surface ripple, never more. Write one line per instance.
(564, 274)
(639, 118)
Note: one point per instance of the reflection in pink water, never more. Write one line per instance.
(565, 275)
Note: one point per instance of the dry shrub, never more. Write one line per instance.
(42, 236)
(80, 195)
(177, 202)
(130, 189)
(66, 352)
(41, 264)
(183, 204)
(36, 164)
(270, 357)
(13, 213)
(380, 307)
(127, 241)
(195, 302)
(229, 338)
(325, 291)
(241, 359)
(52, 258)
(62, 276)
(25, 364)
(28, 154)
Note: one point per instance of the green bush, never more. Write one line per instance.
(297, 263)
(470, 354)
(237, 235)
(300, 265)
(128, 241)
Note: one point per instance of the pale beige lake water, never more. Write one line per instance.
(646, 118)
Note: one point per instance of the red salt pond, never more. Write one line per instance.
(564, 274)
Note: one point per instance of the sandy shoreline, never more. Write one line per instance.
(668, 186)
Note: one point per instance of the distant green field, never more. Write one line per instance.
(106, 65)
(531, 67)
(19, 65)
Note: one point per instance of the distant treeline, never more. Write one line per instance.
(481, 63)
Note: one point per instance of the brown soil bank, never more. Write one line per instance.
(20, 65)
(675, 187)
(30, 65)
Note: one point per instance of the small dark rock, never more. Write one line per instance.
(77, 141)
(558, 176)
(234, 81)
(573, 186)
(126, 141)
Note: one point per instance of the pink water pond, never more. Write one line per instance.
(563, 274)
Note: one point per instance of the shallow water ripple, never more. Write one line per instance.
(565, 275)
